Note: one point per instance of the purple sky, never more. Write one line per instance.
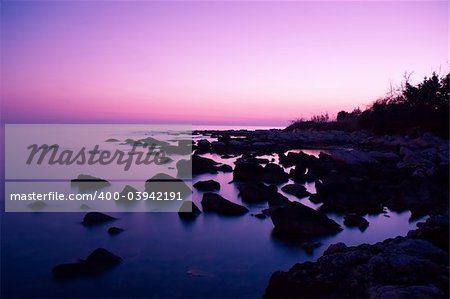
(210, 62)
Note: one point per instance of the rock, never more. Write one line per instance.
(37, 205)
(112, 140)
(162, 182)
(224, 168)
(395, 268)
(94, 218)
(253, 192)
(274, 174)
(247, 171)
(277, 199)
(259, 215)
(297, 190)
(115, 230)
(435, 230)
(98, 262)
(188, 210)
(195, 166)
(297, 221)
(89, 182)
(149, 141)
(209, 185)
(203, 145)
(354, 220)
(309, 247)
(213, 202)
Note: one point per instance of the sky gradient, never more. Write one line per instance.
(249, 63)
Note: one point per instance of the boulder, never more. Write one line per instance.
(274, 174)
(247, 171)
(213, 202)
(297, 190)
(298, 221)
(253, 192)
(188, 210)
(355, 220)
(195, 166)
(224, 168)
(98, 262)
(209, 185)
(95, 218)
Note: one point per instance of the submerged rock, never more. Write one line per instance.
(354, 220)
(98, 262)
(297, 190)
(209, 185)
(189, 210)
(115, 230)
(95, 218)
(299, 221)
(213, 202)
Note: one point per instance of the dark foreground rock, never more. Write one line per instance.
(188, 210)
(213, 202)
(94, 218)
(296, 220)
(297, 190)
(98, 262)
(402, 267)
(354, 220)
(209, 185)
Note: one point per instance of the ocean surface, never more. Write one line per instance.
(213, 256)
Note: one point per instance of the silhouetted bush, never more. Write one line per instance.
(411, 110)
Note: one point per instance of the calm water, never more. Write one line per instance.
(213, 256)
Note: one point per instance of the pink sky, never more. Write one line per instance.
(254, 63)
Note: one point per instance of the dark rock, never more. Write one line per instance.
(277, 199)
(195, 166)
(225, 168)
(112, 140)
(309, 247)
(94, 218)
(259, 215)
(435, 230)
(149, 141)
(162, 182)
(274, 174)
(128, 194)
(297, 190)
(188, 210)
(98, 262)
(209, 185)
(203, 145)
(297, 220)
(253, 192)
(247, 171)
(88, 182)
(115, 230)
(354, 220)
(213, 202)
(395, 268)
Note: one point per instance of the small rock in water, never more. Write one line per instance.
(189, 210)
(98, 262)
(352, 220)
(209, 185)
(115, 230)
(94, 218)
(259, 215)
(213, 202)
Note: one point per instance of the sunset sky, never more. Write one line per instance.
(249, 63)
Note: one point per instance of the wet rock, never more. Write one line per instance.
(224, 168)
(87, 182)
(277, 199)
(253, 192)
(274, 174)
(98, 262)
(213, 202)
(95, 218)
(162, 182)
(115, 230)
(247, 171)
(209, 185)
(297, 220)
(354, 220)
(435, 230)
(112, 140)
(188, 210)
(395, 268)
(297, 190)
